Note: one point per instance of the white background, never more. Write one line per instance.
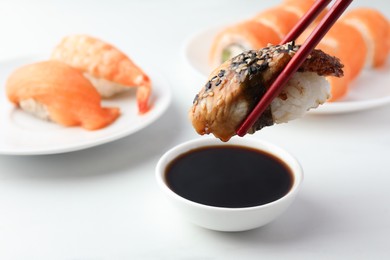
(103, 202)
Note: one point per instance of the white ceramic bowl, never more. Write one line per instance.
(229, 219)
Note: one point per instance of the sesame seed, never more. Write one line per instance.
(252, 70)
(208, 85)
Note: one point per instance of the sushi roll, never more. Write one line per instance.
(110, 70)
(269, 26)
(340, 39)
(280, 19)
(337, 42)
(239, 37)
(52, 90)
(374, 27)
(283, 17)
(360, 39)
(236, 86)
(300, 8)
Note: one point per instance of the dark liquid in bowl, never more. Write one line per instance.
(229, 176)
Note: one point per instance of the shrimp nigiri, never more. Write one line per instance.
(108, 69)
(54, 91)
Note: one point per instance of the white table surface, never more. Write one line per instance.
(103, 202)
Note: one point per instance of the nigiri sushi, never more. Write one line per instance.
(54, 91)
(109, 69)
(235, 87)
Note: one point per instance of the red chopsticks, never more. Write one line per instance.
(307, 47)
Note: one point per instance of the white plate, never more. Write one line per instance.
(371, 89)
(23, 134)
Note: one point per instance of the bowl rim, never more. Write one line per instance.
(259, 144)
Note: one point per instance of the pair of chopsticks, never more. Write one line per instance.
(300, 56)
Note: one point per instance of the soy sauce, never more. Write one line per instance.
(229, 176)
